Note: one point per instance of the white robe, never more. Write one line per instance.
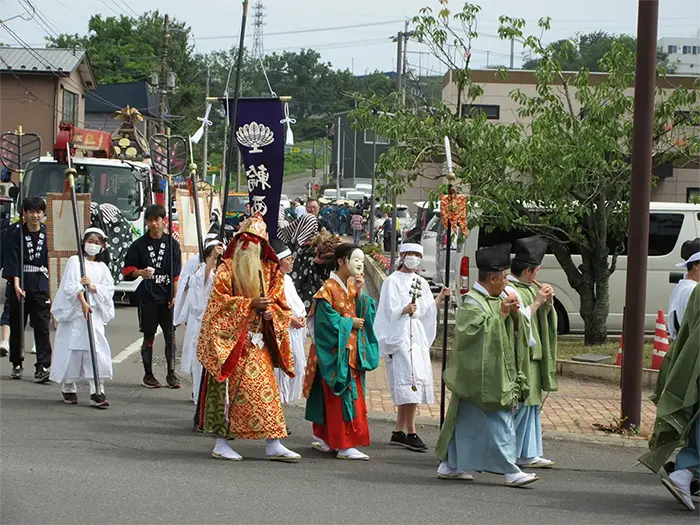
(181, 304)
(71, 358)
(291, 387)
(394, 330)
(678, 303)
(197, 299)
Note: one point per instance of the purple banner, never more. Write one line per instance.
(260, 136)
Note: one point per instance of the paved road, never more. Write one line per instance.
(139, 462)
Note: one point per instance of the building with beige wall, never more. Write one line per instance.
(40, 88)
(671, 185)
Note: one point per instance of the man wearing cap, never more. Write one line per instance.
(406, 325)
(485, 378)
(540, 355)
(690, 253)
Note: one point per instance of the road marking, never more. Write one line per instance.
(132, 349)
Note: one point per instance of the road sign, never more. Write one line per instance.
(215, 168)
(317, 187)
(295, 150)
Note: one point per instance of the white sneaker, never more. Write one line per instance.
(536, 462)
(222, 450)
(678, 484)
(445, 472)
(352, 454)
(520, 479)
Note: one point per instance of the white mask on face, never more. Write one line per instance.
(356, 263)
(412, 262)
(92, 249)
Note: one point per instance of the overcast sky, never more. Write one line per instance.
(215, 24)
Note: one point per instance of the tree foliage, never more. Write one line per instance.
(586, 50)
(563, 170)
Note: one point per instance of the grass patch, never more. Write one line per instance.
(567, 348)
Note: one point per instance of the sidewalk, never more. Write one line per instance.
(575, 408)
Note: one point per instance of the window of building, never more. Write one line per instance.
(692, 195)
(369, 138)
(672, 50)
(696, 50)
(686, 50)
(492, 111)
(71, 102)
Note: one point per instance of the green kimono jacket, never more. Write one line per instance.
(332, 340)
(676, 394)
(540, 363)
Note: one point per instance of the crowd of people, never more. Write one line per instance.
(251, 305)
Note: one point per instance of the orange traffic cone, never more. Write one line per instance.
(660, 342)
(618, 362)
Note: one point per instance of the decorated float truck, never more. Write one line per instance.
(110, 169)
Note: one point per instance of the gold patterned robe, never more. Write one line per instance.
(233, 361)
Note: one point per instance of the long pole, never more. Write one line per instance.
(445, 319)
(197, 211)
(70, 175)
(325, 157)
(205, 154)
(640, 196)
(512, 52)
(171, 252)
(313, 162)
(20, 178)
(164, 79)
(337, 161)
(372, 201)
(234, 112)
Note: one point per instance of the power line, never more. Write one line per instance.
(314, 30)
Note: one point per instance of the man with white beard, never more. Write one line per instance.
(406, 325)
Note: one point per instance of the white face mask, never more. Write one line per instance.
(92, 249)
(356, 263)
(412, 262)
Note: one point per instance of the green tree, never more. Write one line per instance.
(586, 50)
(557, 172)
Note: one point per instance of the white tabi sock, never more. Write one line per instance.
(275, 447)
(224, 449)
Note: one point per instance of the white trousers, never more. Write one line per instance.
(72, 388)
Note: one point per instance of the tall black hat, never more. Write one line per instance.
(281, 249)
(530, 250)
(493, 258)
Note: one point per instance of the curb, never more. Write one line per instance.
(549, 435)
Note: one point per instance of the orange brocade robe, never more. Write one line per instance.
(240, 381)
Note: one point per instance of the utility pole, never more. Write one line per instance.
(238, 171)
(337, 161)
(640, 196)
(164, 68)
(325, 157)
(313, 162)
(512, 52)
(205, 155)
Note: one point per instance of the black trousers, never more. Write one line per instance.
(37, 306)
(150, 317)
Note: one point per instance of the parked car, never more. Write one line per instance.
(425, 212)
(670, 224)
(284, 201)
(428, 241)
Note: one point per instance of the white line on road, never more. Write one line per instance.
(131, 349)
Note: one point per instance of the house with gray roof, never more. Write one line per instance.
(40, 88)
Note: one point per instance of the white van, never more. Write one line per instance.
(671, 224)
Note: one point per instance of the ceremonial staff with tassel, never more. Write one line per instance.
(228, 164)
(70, 177)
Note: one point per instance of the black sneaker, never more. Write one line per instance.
(695, 487)
(42, 375)
(17, 372)
(398, 438)
(99, 401)
(413, 442)
(172, 380)
(150, 381)
(70, 398)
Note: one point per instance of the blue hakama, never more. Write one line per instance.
(528, 432)
(483, 441)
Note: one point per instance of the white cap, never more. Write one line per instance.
(411, 247)
(212, 243)
(98, 231)
(693, 258)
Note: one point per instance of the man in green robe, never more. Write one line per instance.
(484, 375)
(541, 359)
(676, 397)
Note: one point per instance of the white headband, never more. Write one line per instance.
(411, 247)
(693, 258)
(211, 243)
(284, 254)
(94, 230)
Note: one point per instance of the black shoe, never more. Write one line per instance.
(99, 401)
(150, 381)
(695, 487)
(42, 375)
(70, 398)
(17, 372)
(172, 380)
(3, 351)
(413, 442)
(398, 438)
